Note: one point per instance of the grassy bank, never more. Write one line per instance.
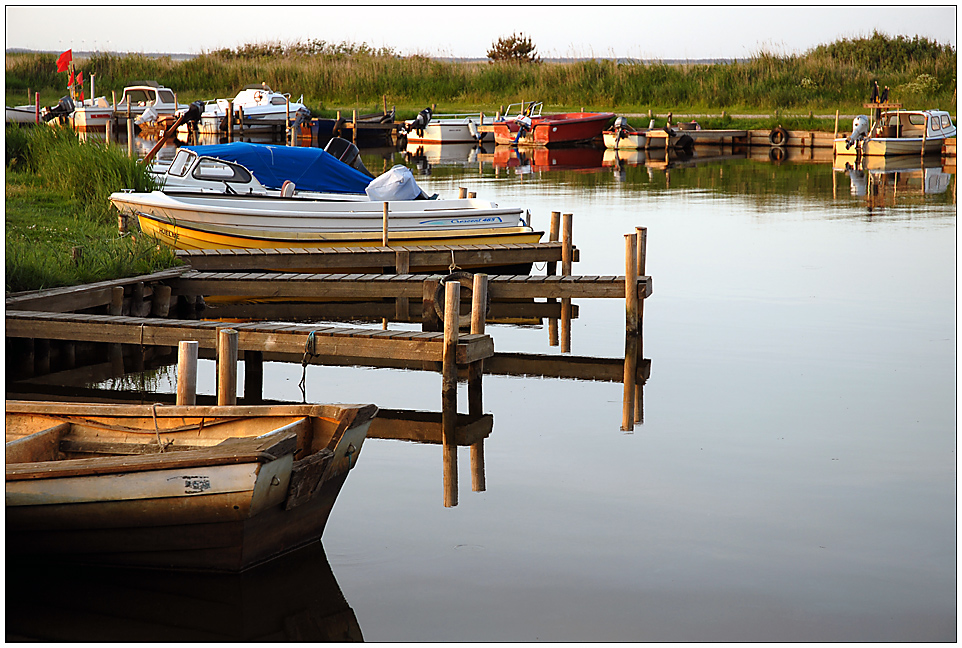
(920, 73)
(60, 228)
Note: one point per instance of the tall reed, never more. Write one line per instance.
(345, 76)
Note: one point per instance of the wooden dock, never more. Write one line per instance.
(257, 336)
(416, 258)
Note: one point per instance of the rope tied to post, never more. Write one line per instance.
(310, 351)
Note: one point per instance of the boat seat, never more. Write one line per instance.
(287, 189)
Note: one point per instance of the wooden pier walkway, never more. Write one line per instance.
(293, 286)
(383, 258)
(257, 336)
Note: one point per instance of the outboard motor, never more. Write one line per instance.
(63, 109)
(421, 121)
(859, 131)
(524, 127)
(620, 127)
(347, 153)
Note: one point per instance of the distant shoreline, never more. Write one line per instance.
(181, 56)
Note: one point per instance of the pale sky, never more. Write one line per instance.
(468, 31)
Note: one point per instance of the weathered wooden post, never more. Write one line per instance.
(567, 248)
(354, 126)
(226, 367)
(429, 318)
(160, 301)
(187, 372)
(479, 301)
(631, 284)
(553, 232)
(130, 132)
(117, 300)
(449, 391)
(137, 299)
(462, 192)
(230, 120)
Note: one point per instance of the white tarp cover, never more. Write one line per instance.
(396, 183)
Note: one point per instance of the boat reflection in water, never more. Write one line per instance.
(533, 160)
(293, 598)
(884, 181)
(424, 156)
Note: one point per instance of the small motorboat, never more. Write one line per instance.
(22, 115)
(446, 128)
(144, 102)
(623, 135)
(258, 103)
(190, 487)
(897, 132)
(529, 127)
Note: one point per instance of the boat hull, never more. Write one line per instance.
(553, 130)
(223, 507)
(194, 236)
(889, 146)
(630, 140)
(451, 130)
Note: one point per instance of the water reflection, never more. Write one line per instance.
(295, 597)
(882, 181)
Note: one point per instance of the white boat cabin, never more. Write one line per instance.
(930, 124)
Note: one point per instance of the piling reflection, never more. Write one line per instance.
(295, 597)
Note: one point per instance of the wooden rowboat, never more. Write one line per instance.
(185, 487)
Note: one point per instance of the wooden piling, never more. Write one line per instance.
(566, 245)
(479, 300)
(631, 284)
(187, 351)
(429, 317)
(130, 131)
(226, 367)
(462, 192)
(160, 301)
(449, 391)
(116, 300)
(553, 231)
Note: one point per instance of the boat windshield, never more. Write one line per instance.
(213, 169)
(181, 162)
(139, 96)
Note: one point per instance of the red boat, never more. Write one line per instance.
(530, 128)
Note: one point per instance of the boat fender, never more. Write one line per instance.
(466, 279)
(287, 189)
(778, 136)
(473, 129)
(685, 143)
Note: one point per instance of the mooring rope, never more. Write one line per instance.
(310, 348)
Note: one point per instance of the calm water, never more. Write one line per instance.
(794, 478)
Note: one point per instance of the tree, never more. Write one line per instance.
(517, 48)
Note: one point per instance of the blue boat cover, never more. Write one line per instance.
(310, 169)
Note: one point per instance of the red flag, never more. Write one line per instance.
(64, 61)
(80, 82)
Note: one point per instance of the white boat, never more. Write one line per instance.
(145, 102)
(897, 132)
(445, 128)
(21, 115)
(257, 102)
(297, 215)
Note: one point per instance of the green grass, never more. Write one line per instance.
(60, 228)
